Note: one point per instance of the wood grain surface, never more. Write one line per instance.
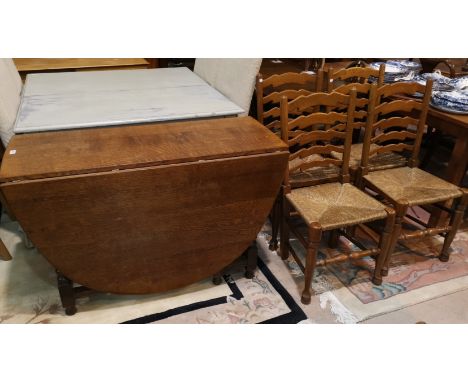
(49, 154)
(156, 226)
(43, 64)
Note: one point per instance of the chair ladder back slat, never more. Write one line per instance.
(305, 121)
(393, 135)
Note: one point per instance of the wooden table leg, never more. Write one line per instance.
(67, 294)
(252, 253)
(4, 253)
(455, 173)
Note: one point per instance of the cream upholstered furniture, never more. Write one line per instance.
(233, 77)
(407, 186)
(10, 95)
(334, 204)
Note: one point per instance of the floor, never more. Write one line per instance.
(450, 309)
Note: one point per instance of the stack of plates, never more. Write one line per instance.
(454, 101)
(402, 70)
(441, 83)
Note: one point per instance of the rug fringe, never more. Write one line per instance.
(341, 313)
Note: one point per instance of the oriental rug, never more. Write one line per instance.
(28, 294)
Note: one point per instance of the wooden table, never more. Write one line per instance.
(60, 101)
(36, 65)
(143, 208)
(455, 125)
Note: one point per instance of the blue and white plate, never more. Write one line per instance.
(452, 101)
(441, 83)
(460, 83)
(409, 65)
(449, 109)
(398, 70)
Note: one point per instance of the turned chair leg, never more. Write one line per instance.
(400, 214)
(315, 234)
(252, 254)
(67, 294)
(275, 217)
(455, 222)
(284, 230)
(384, 243)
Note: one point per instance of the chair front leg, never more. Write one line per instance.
(401, 209)
(455, 222)
(315, 234)
(384, 243)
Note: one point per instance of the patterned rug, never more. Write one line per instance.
(28, 294)
(416, 275)
(342, 293)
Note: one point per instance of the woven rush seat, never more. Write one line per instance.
(335, 205)
(376, 162)
(318, 173)
(414, 185)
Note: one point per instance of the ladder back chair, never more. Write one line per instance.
(341, 81)
(407, 186)
(269, 92)
(333, 204)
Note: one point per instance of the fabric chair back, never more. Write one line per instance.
(233, 77)
(10, 95)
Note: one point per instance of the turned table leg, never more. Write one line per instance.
(67, 293)
(4, 254)
(252, 253)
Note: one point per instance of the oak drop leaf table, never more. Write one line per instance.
(143, 208)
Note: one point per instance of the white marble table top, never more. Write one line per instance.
(59, 101)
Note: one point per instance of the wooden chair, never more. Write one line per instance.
(406, 186)
(269, 92)
(233, 77)
(342, 81)
(335, 203)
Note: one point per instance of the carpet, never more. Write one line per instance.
(343, 293)
(28, 294)
(416, 275)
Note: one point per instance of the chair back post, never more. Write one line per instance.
(284, 136)
(328, 78)
(368, 132)
(259, 94)
(414, 160)
(380, 80)
(345, 176)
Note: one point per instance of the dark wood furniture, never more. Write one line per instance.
(408, 186)
(4, 253)
(323, 202)
(143, 208)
